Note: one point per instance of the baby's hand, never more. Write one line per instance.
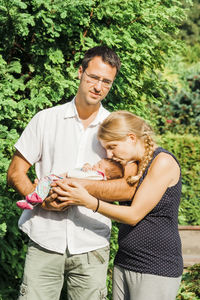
(86, 167)
(64, 175)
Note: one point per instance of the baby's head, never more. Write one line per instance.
(112, 169)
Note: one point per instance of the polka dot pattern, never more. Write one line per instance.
(153, 246)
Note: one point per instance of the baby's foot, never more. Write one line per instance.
(34, 198)
(23, 204)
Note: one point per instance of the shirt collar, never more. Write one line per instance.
(98, 119)
(71, 112)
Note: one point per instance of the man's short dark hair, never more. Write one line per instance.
(108, 56)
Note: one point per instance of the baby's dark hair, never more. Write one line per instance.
(114, 169)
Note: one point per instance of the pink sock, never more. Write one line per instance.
(23, 204)
(34, 198)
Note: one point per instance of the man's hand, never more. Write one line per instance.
(52, 203)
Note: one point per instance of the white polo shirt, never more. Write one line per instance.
(56, 141)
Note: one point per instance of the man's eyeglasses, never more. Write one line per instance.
(95, 79)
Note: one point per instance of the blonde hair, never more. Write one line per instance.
(121, 123)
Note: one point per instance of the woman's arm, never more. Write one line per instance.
(164, 172)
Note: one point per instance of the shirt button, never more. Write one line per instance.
(23, 291)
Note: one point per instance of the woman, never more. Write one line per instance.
(148, 264)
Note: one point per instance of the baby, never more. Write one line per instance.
(104, 169)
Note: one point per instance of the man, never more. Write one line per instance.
(74, 242)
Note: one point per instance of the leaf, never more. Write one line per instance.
(14, 67)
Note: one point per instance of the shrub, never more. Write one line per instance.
(186, 149)
(191, 54)
(189, 29)
(190, 284)
(179, 111)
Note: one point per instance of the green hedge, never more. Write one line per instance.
(190, 284)
(186, 149)
(179, 111)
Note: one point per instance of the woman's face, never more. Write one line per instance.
(122, 151)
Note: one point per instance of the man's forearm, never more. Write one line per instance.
(110, 190)
(21, 183)
(17, 175)
(114, 190)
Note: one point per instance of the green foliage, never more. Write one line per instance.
(44, 42)
(179, 111)
(191, 54)
(190, 28)
(13, 248)
(190, 284)
(186, 149)
(113, 251)
(3, 228)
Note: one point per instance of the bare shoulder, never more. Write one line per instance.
(165, 164)
(165, 159)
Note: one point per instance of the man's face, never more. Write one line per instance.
(92, 91)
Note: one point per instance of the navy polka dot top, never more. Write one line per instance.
(153, 245)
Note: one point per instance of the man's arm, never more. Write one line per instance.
(110, 190)
(17, 175)
(113, 190)
(18, 179)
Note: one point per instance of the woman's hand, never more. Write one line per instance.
(51, 203)
(74, 194)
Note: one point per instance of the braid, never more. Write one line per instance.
(148, 142)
